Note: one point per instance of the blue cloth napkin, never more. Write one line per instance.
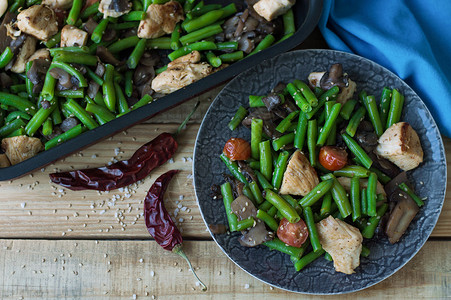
(411, 38)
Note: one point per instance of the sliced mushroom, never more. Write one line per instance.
(106, 56)
(334, 77)
(64, 78)
(243, 208)
(401, 216)
(28, 48)
(271, 101)
(247, 171)
(68, 123)
(256, 235)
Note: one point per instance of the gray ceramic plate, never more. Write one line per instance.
(273, 267)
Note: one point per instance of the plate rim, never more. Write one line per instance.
(329, 52)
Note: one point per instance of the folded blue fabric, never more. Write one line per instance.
(411, 38)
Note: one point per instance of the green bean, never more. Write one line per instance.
(48, 90)
(231, 57)
(227, 196)
(53, 41)
(17, 114)
(285, 209)
(264, 183)
(403, 186)
(256, 101)
(318, 91)
(384, 105)
(270, 221)
(17, 102)
(98, 32)
(339, 195)
(353, 124)
(328, 257)
(71, 133)
(74, 12)
(396, 104)
(357, 150)
(371, 195)
(316, 193)
(101, 111)
(266, 166)
(90, 10)
(301, 131)
(135, 56)
(124, 25)
(256, 137)
(313, 232)
(72, 71)
(352, 171)
(285, 123)
(56, 114)
(137, 5)
(382, 177)
(73, 107)
(123, 44)
(348, 108)
(18, 88)
(175, 37)
(134, 16)
(364, 201)
(326, 205)
(79, 93)
(108, 88)
(236, 120)
(255, 165)
(16, 5)
(256, 193)
(213, 60)
(278, 245)
(10, 127)
(245, 224)
(282, 141)
(199, 46)
(233, 168)
(203, 21)
(227, 46)
(329, 95)
(189, 5)
(39, 118)
(312, 132)
(373, 222)
(307, 259)
(365, 251)
(201, 34)
(306, 92)
(265, 43)
(146, 99)
(47, 127)
(6, 56)
(279, 170)
(96, 78)
(330, 121)
(122, 104)
(293, 202)
(229, 10)
(355, 198)
(28, 83)
(288, 22)
(66, 50)
(373, 114)
(298, 98)
(20, 131)
(129, 83)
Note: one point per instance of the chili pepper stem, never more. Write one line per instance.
(186, 119)
(179, 250)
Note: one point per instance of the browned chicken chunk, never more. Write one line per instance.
(114, 8)
(160, 20)
(300, 177)
(60, 4)
(271, 9)
(72, 36)
(4, 161)
(180, 73)
(20, 148)
(42, 53)
(342, 241)
(400, 144)
(39, 21)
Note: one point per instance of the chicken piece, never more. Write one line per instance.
(39, 21)
(346, 183)
(271, 9)
(28, 48)
(342, 241)
(114, 8)
(300, 177)
(346, 93)
(160, 19)
(180, 73)
(314, 79)
(72, 36)
(40, 54)
(60, 4)
(3, 6)
(400, 145)
(4, 161)
(20, 148)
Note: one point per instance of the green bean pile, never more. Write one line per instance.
(21, 109)
(315, 123)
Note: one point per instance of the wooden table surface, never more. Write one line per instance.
(60, 244)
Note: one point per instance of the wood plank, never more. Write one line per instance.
(74, 209)
(112, 269)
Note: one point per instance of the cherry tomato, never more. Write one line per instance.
(237, 149)
(293, 234)
(333, 158)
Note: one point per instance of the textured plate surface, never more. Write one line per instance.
(274, 267)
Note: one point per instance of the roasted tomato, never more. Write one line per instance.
(333, 158)
(237, 149)
(293, 234)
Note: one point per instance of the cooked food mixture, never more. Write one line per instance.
(67, 66)
(323, 172)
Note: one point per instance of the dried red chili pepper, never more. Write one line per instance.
(125, 172)
(160, 224)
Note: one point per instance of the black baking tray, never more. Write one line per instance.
(307, 13)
